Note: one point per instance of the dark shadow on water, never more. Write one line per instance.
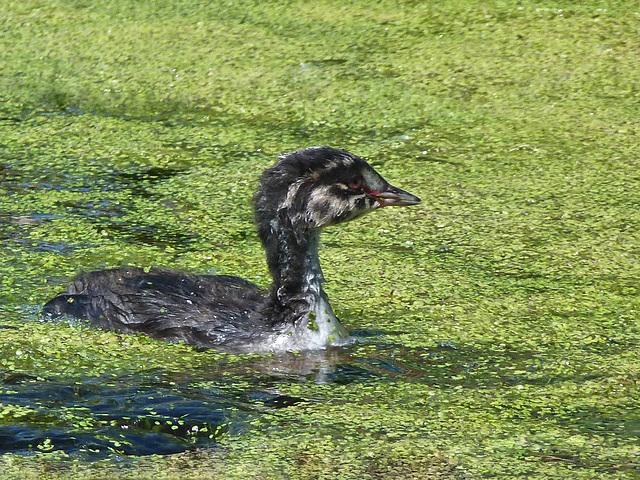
(24, 438)
(133, 416)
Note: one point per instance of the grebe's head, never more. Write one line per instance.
(320, 186)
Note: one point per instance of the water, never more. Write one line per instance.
(160, 412)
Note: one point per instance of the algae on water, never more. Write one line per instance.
(499, 319)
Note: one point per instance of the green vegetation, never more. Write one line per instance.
(499, 318)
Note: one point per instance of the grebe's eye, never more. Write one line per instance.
(355, 183)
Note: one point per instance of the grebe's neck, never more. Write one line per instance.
(292, 255)
(298, 303)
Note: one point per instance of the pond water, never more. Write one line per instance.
(497, 321)
(446, 353)
(159, 412)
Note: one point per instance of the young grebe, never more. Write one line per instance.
(302, 193)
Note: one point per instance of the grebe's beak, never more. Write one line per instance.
(394, 197)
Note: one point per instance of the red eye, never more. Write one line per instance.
(355, 183)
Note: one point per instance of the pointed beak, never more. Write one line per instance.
(394, 197)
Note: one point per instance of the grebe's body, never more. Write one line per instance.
(302, 193)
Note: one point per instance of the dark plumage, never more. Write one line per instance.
(302, 193)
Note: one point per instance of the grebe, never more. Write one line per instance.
(302, 193)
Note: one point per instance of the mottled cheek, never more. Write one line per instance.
(353, 208)
(331, 205)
